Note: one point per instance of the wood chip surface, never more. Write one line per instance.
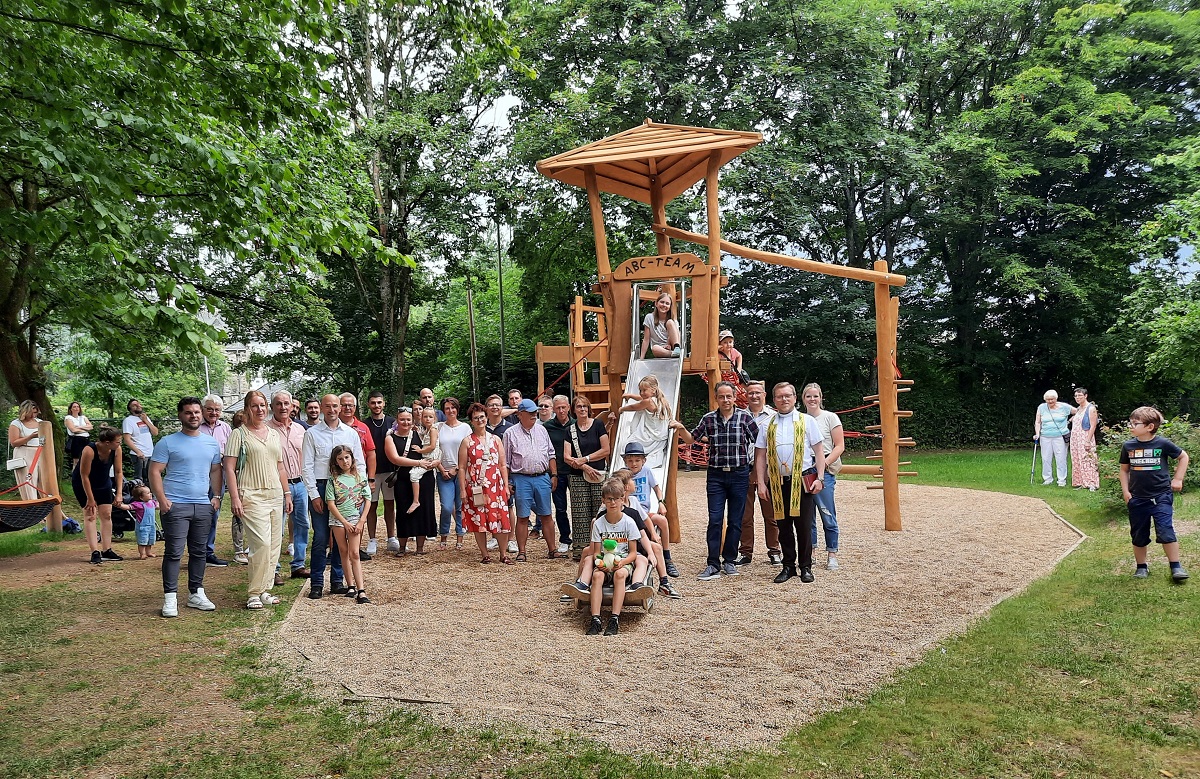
(736, 663)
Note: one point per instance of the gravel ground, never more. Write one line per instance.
(735, 663)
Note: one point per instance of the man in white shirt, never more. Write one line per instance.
(756, 397)
(789, 446)
(212, 406)
(138, 435)
(319, 441)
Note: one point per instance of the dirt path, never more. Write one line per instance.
(737, 662)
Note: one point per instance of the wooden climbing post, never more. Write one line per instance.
(886, 315)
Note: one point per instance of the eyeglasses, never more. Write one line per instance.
(541, 406)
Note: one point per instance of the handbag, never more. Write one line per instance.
(391, 477)
(16, 462)
(478, 499)
(591, 476)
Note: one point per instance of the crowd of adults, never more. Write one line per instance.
(507, 473)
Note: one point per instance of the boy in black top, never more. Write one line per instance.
(1148, 490)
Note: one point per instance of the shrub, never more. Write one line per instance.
(1178, 429)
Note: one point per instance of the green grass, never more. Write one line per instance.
(1088, 673)
(32, 541)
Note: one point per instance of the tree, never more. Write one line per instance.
(146, 152)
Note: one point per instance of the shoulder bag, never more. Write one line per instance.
(590, 475)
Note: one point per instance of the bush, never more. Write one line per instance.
(1178, 429)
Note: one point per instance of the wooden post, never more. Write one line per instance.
(48, 475)
(886, 314)
(713, 208)
(658, 208)
(603, 269)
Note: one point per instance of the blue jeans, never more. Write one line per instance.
(320, 550)
(559, 496)
(824, 503)
(726, 488)
(299, 524)
(451, 500)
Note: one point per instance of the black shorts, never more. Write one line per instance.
(104, 494)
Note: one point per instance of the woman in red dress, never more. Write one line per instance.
(483, 479)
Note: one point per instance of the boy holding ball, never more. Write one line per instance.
(1149, 491)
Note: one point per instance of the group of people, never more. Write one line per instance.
(1059, 427)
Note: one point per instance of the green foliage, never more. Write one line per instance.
(1178, 429)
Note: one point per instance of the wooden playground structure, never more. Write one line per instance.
(653, 164)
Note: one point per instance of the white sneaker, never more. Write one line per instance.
(493, 544)
(372, 547)
(241, 557)
(832, 564)
(393, 544)
(170, 604)
(198, 600)
(563, 549)
(513, 548)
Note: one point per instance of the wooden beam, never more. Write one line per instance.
(885, 358)
(713, 209)
(659, 210)
(842, 271)
(602, 264)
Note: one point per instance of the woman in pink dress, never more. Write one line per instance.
(1084, 473)
(483, 479)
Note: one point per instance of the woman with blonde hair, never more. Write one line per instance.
(24, 440)
(259, 494)
(832, 436)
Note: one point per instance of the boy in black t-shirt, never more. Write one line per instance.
(1149, 491)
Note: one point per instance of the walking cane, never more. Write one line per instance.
(1033, 464)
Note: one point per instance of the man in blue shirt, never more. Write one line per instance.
(185, 476)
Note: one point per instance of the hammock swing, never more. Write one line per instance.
(22, 514)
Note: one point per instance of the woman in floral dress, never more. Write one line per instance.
(483, 479)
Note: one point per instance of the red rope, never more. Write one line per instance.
(29, 477)
(856, 408)
(554, 383)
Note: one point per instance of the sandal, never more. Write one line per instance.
(557, 555)
(458, 547)
(362, 597)
(485, 559)
(268, 599)
(443, 546)
(507, 560)
(351, 592)
(521, 558)
(254, 603)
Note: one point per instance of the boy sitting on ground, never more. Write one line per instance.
(645, 484)
(615, 522)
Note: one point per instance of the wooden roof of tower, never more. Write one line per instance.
(626, 162)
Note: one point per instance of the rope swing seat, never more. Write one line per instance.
(21, 514)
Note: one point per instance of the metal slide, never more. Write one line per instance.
(669, 371)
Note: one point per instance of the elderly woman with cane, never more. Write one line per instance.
(1050, 430)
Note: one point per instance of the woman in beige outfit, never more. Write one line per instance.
(259, 495)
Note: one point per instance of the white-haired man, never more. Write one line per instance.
(212, 406)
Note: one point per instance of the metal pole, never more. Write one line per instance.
(207, 382)
(500, 277)
(471, 330)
